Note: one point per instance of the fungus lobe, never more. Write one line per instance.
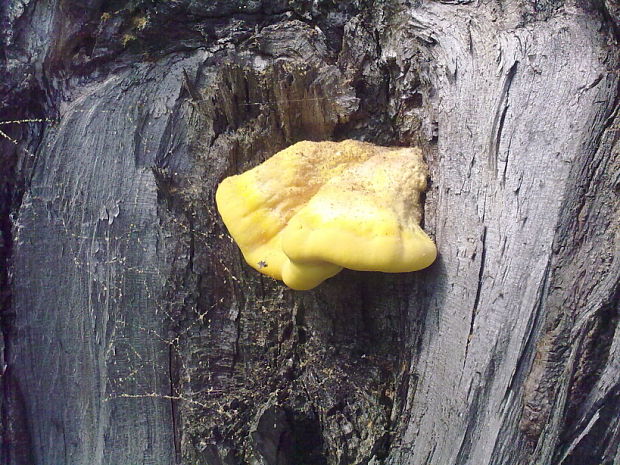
(317, 207)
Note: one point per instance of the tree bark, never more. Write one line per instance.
(134, 333)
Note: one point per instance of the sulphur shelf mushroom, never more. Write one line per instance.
(317, 207)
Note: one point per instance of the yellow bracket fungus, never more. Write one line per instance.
(317, 207)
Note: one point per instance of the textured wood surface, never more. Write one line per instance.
(132, 331)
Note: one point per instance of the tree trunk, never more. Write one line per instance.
(132, 330)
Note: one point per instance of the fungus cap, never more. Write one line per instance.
(317, 207)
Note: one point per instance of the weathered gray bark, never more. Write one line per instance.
(133, 333)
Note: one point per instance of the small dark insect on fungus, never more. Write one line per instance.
(317, 207)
